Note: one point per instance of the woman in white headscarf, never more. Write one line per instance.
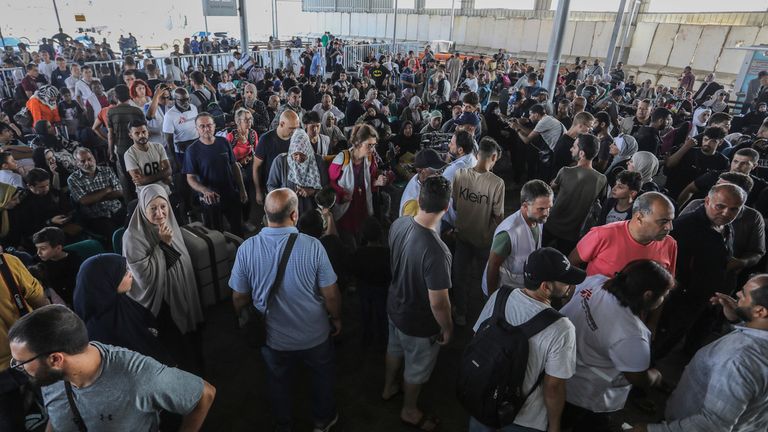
(300, 170)
(699, 120)
(328, 128)
(163, 276)
(412, 113)
(621, 149)
(647, 165)
(717, 102)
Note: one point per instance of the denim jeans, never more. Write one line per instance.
(476, 426)
(280, 371)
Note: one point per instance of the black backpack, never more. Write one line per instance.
(492, 369)
(212, 107)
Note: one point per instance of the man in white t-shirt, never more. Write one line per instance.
(83, 86)
(613, 345)
(179, 124)
(145, 161)
(552, 351)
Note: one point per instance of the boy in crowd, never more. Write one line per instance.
(59, 266)
(618, 207)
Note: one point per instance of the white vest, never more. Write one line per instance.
(521, 244)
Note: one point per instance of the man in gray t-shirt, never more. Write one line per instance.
(112, 388)
(418, 306)
(576, 188)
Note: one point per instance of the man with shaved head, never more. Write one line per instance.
(271, 144)
(704, 259)
(297, 310)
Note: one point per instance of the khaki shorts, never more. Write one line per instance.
(420, 354)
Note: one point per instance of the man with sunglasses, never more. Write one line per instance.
(19, 293)
(94, 386)
(179, 124)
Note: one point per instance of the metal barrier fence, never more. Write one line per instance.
(271, 60)
(9, 79)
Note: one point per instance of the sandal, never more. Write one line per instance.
(420, 425)
(393, 395)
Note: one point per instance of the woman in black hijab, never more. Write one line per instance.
(111, 316)
(405, 146)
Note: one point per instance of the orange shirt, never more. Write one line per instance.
(41, 111)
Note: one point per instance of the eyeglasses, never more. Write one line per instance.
(19, 366)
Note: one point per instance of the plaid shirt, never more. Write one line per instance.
(80, 185)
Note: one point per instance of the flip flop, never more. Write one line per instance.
(424, 419)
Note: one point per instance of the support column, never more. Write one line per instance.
(614, 36)
(243, 27)
(633, 10)
(555, 47)
(274, 19)
(453, 19)
(394, 28)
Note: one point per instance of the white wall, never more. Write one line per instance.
(660, 49)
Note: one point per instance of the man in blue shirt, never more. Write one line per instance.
(301, 316)
(213, 173)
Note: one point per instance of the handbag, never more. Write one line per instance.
(253, 322)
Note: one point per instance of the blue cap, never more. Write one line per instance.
(468, 119)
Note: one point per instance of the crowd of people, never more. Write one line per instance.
(640, 230)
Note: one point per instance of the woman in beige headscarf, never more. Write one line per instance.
(164, 280)
(8, 200)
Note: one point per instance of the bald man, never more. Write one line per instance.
(271, 144)
(705, 250)
(298, 329)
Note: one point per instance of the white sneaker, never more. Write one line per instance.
(328, 426)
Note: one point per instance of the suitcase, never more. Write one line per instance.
(213, 255)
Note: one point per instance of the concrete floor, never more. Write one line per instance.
(238, 374)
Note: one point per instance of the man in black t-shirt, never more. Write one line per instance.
(649, 137)
(212, 172)
(694, 159)
(59, 267)
(744, 162)
(271, 144)
(419, 307)
(380, 74)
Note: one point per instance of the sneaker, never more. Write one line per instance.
(327, 426)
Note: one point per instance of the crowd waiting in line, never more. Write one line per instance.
(640, 230)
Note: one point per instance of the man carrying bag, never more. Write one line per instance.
(288, 304)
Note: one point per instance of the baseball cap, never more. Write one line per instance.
(468, 119)
(428, 158)
(435, 114)
(550, 265)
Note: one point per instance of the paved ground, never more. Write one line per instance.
(238, 374)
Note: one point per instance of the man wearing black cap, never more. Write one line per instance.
(427, 163)
(547, 275)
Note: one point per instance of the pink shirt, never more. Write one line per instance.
(608, 248)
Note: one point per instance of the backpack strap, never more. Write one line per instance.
(499, 307)
(539, 322)
(532, 327)
(76, 417)
(347, 156)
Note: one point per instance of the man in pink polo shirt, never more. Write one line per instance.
(607, 249)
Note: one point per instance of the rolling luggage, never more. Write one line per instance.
(213, 255)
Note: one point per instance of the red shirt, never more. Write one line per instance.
(608, 248)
